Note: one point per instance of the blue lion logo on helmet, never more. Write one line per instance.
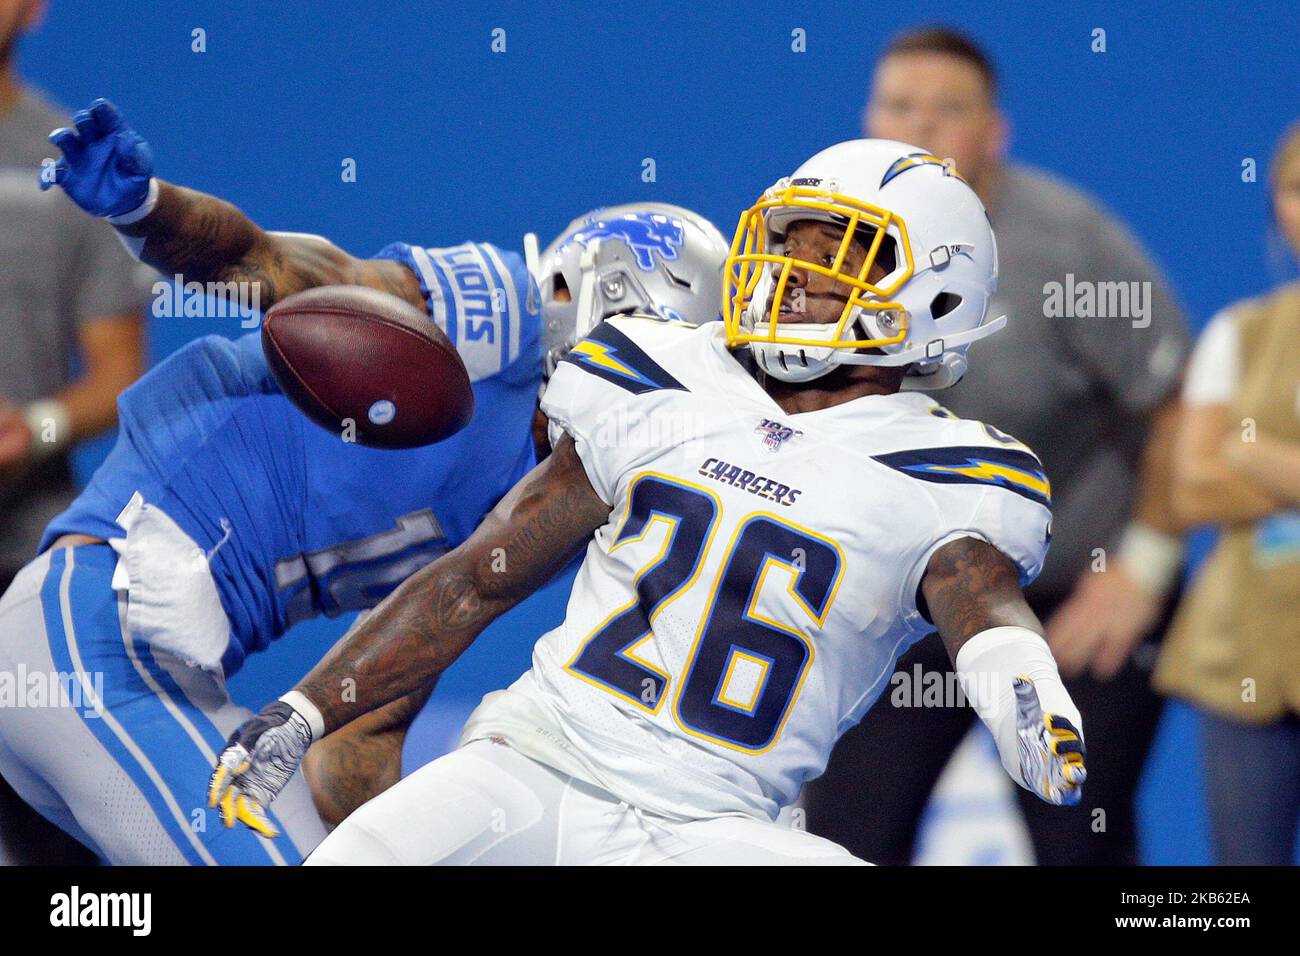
(643, 233)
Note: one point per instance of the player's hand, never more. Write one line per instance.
(106, 166)
(1051, 749)
(1105, 617)
(258, 761)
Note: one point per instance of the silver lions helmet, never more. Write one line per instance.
(640, 257)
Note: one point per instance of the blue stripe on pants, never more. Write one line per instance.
(136, 727)
(279, 853)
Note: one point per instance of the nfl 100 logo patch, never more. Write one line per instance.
(775, 434)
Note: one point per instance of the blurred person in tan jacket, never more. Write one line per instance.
(1234, 649)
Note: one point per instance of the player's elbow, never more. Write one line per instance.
(282, 263)
(491, 593)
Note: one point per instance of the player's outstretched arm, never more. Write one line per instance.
(1006, 671)
(206, 239)
(107, 170)
(417, 632)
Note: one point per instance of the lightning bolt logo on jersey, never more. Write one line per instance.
(742, 608)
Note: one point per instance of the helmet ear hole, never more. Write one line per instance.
(943, 303)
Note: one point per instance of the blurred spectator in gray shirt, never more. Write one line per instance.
(1086, 374)
(70, 297)
(71, 338)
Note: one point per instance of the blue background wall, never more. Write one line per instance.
(452, 141)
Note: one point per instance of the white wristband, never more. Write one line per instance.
(140, 211)
(50, 424)
(989, 662)
(1151, 557)
(309, 712)
(135, 244)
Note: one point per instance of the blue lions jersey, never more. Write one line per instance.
(297, 522)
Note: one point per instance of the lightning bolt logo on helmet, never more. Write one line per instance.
(912, 161)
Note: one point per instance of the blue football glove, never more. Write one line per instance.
(106, 166)
(1051, 749)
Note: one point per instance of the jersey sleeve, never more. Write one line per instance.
(605, 393)
(484, 299)
(997, 493)
(1019, 528)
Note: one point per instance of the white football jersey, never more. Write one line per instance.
(758, 575)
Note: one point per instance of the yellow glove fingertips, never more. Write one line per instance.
(1065, 732)
(220, 778)
(229, 813)
(251, 815)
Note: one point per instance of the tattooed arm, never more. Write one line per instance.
(206, 239)
(107, 170)
(422, 627)
(973, 594)
(416, 633)
(970, 586)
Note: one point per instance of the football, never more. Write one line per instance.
(363, 362)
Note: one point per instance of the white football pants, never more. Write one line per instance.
(488, 804)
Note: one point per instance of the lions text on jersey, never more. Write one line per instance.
(758, 574)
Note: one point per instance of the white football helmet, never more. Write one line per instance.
(640, 257)
(925, 227)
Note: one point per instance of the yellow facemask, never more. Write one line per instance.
(749, 259)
